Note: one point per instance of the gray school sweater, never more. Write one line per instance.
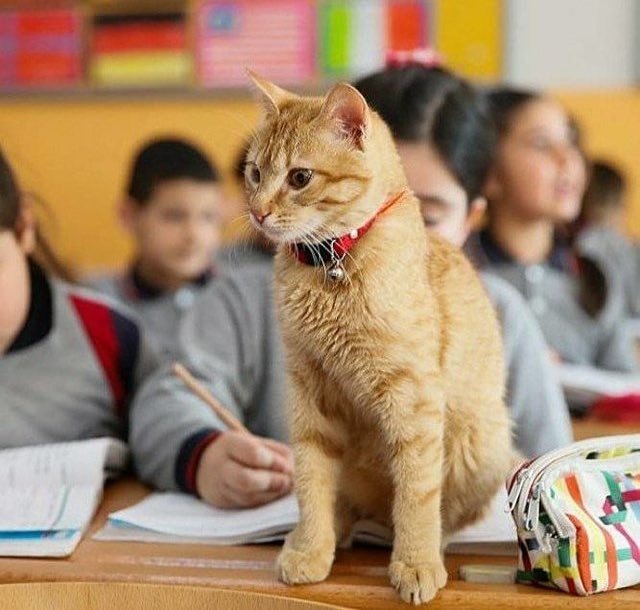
(235, 256)
(77, 381)
(160, 312)
(553, 296)
(538, 408)
(618, 257)
(230, 341)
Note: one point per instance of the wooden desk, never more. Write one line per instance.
(589, 427)
(358, 579)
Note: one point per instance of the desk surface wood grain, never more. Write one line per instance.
(588, 427)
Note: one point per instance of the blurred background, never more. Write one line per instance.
(82, 84)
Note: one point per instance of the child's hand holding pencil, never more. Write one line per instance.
(238, 468)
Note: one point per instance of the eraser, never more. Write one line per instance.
(488, 573)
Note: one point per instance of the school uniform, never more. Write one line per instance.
(159, 310)
(72, 370)
(231, 341)
(538, 408)
(235, 256)
(619, 259)
(554, 290)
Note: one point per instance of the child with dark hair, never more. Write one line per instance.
(534, 187)
(603, 203)
(173, 209)
(438, 121)
(69, 359)
(601, 232)
(445, 138)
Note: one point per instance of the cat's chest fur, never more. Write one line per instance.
(356, 331)
(334, 315)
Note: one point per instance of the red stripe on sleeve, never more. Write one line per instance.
(98, 322)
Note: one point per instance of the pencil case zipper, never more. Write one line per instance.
(529, 487)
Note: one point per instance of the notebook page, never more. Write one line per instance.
(174, 517)
(55, 486)
(59, 464)
(497, 525)
(45, 508)
(496, 528)
(183, 515)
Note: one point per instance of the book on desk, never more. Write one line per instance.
(49, 493)
(179, 518)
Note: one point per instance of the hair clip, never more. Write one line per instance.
(425, 57)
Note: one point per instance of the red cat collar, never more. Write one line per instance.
(331, 252)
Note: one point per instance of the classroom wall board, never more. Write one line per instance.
(571, 43)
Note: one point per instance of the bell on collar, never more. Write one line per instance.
(336, 272)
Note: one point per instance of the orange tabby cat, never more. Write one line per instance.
(393, 350)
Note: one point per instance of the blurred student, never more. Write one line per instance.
(69, 359)
(445, 139)
(231, 340)
(535, 185)
(602, 232)
(172, 209)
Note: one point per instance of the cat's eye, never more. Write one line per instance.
(254, 175)
(299, 177)
(430, 222)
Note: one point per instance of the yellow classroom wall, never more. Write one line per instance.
(468, 35)
(74, 154)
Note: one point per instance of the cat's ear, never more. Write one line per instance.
(272, 97)
(345, 107)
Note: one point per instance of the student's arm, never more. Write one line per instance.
(633, 285)
(616, 350)
(176, 440)
(147, 359)
(538, 408)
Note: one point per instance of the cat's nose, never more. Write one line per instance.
(260, 217)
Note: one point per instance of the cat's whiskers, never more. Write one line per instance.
(320, 239)
(311, 240)
(347, 255)
(328, 249)
(295, 247)
(245, 238)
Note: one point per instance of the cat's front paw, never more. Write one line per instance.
(297, 567)
(417, 584)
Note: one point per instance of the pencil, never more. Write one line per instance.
(200, 391)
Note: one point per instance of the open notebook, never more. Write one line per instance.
(49, 493)
(175, 517)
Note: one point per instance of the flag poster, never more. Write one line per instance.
(40, 48)
(275, 38)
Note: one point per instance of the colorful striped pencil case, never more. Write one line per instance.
(577, 512)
